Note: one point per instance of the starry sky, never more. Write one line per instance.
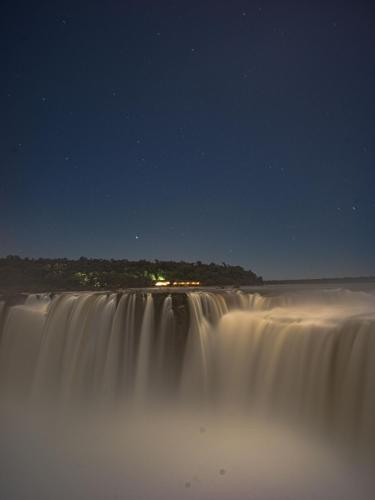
(238, 131)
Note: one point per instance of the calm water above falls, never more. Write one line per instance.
(229, 382)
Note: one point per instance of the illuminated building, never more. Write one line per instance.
(177, 283)
(162, 283)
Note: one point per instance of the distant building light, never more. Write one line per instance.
(162, 283)
(186, 283)
(177, 283)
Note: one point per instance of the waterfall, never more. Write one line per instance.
(142, 374)
(196, 370)
(163, 352)
(302, 355)
(322, 372)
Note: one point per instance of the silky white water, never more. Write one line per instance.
(209, 393)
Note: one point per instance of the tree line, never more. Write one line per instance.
(87, 274)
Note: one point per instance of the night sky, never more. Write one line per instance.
(217, 131)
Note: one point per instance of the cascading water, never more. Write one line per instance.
(304, 357)
(315, 360)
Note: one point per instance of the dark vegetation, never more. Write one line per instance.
(24, 274)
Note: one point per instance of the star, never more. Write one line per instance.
(137, 236)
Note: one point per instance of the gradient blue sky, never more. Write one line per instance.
(217, 131)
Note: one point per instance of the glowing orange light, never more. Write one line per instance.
(186, 283)
(162, 283)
